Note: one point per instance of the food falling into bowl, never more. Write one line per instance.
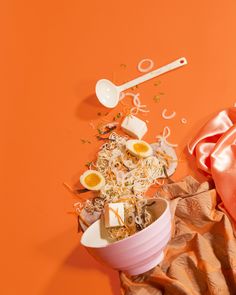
(123, 172)
(137, 253)
(126, 218)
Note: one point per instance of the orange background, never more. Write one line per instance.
(52, 53)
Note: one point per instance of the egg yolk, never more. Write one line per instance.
(92, 179)
(140, 147)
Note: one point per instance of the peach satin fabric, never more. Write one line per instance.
(215, 150)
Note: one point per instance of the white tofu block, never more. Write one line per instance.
(134, 126)
(111, 218)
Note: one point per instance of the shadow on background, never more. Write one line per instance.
(67, 279)
(191, 160)
(89, 108)
(195, 171)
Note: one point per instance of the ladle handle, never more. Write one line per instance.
(169, 67)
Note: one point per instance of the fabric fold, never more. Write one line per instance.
(201, 255)
(215, 150)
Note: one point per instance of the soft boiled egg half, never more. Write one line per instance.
(139, 148)
(92, 180)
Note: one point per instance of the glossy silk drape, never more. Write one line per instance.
(215, 150)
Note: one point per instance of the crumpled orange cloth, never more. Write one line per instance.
(215, 150)
(201, 255)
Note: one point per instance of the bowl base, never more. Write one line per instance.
(146, 267)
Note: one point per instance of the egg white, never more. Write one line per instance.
(96, 187)
(130, 147)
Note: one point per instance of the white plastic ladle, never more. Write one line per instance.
(109, 94)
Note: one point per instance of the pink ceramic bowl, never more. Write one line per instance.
(135, 254)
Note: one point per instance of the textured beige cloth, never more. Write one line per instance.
(201, 256)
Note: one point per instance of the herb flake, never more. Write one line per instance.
(88, 164)
(84, 141)
(156, 98)
(157, 83)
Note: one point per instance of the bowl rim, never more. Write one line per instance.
(134, 235)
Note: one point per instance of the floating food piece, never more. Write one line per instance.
(146, 69)
(165, 134)
(114, 214)
(139, 148)
(184, 121)
(134, 126)
(86, 218)
(168, 117)
(92, 180)
(129, 168)
(138, 173)
(138, 107)
(107, 128)
(167, 155)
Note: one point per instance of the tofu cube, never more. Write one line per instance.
(112, 210)
(134, 126)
